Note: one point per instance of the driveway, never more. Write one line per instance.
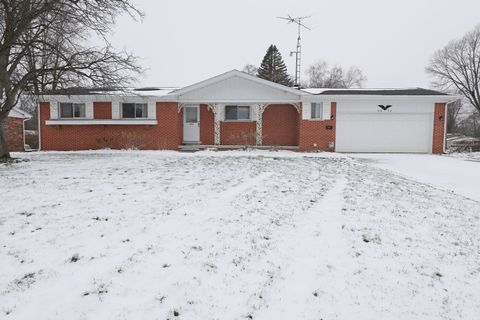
(459, 175)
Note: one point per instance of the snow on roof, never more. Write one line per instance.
(375, 91)
(144, 91)
(19, 113)
(153, 91)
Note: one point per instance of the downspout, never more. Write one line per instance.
(445, 128)
(39, 128)
(23, 124)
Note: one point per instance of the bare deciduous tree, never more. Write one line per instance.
(470, 126)
(453, 111)
(43, 45)
(250, 69)
(456, 67)
(320, 76)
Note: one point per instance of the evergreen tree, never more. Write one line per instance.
(273, 68)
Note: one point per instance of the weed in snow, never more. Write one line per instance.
(74, 258)
(368, 238)
(100, 289)
(26, 214)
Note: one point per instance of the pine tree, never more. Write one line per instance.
(273, 68)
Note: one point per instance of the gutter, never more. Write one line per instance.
(39, 128)
(23, 131)
(445, 128)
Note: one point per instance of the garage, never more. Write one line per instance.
(385, 125)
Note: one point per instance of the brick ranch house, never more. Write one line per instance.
(15, 129)
(235, 109)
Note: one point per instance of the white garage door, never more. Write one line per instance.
(384, 132)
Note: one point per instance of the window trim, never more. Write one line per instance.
(320, 106)
(249, 119)
(73, 104)
(135, 104)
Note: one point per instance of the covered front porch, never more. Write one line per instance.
(235, 110)
(240, 125)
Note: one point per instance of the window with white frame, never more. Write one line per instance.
(234, 112)
(316, 110)
(134, 110)
(72, 110)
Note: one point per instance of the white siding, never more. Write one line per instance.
(306, 110)
(54, 110)
(327, 110)
(152, 110)
(115, 109)
(237, 89)
(89, 110)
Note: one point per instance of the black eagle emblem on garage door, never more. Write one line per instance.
(384, 107)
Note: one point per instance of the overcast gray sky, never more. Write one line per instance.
(185, 41)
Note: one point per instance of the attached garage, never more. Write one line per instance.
(388, 120)
(385, 125)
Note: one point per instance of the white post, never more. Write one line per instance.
(259, 109)
(217, 110)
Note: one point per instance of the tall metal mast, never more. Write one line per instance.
(298, 51)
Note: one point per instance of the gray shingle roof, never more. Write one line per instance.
(384, 92)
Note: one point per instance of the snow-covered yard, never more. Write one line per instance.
(458, 172)
(232, 235)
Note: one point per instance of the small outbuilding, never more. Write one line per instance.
(15, 129)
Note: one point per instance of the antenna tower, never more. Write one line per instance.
(298, 52)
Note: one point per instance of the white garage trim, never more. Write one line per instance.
(404, 126)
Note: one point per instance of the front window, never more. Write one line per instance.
(72, 110)
(237, 112)
(317, 110)
(134, 110)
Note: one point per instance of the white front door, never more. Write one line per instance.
(191, 123)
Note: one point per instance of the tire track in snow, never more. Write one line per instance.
(318, 254)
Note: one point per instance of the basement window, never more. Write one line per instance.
(134, 110)
(234, 113)
(316, 110)
(72, 110)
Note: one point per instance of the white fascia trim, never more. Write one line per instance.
(98, 98)
(238, 101)
(337, 98)
(235, 73)
(81, 122)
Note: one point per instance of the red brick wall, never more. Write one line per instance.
(207, 125)
(14, 134)
(102, 110)
(280, 125)
(166, 135)
(439, 128)
(238, 132)
(314, 135)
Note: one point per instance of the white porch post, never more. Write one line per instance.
(259, 109)
(217, 110)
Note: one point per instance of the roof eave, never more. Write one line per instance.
(433, 98)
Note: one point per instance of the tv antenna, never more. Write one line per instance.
(298, 52)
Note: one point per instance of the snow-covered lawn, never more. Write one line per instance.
(231, 235)
(459, 172)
